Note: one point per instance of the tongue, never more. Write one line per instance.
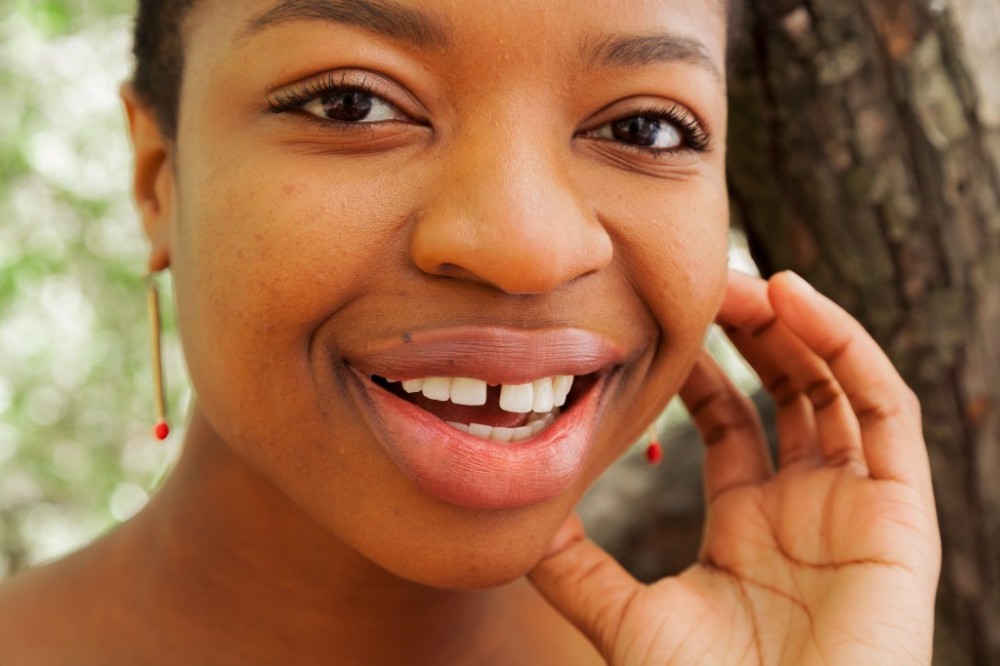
(489, 414)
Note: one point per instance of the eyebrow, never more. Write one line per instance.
(379, 16)
(637, 51)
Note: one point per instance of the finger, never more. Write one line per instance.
(796, 424)
(789, 367)
(887, 410)
(736, 449)
(585, 585)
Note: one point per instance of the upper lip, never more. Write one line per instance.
(497, 355)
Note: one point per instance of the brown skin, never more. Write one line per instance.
(316, 241)
(285, 535)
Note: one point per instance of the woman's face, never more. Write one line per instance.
(484, 196)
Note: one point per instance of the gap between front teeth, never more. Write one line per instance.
(539, 396)
(500, 434)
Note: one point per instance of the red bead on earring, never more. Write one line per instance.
(654, 450)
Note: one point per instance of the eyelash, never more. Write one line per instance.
(288, 101)
(693, 134)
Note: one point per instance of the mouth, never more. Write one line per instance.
(487, 419)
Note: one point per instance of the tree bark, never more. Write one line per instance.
(865, 155)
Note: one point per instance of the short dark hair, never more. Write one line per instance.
(158, 45)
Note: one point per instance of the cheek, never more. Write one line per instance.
(692, 261)
(262, 261)
(289, 237)
(673, 242)
(687, 275)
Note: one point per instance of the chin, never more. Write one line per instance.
(452, 548)
(468, 570)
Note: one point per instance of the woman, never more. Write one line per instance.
(436, 265)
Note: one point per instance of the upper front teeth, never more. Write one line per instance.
(539, 396)
(465, 391)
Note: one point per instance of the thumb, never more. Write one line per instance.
(585, 584)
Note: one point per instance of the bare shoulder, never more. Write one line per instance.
(54, 615)
(32, 620)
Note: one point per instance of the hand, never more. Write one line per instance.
(833, 559)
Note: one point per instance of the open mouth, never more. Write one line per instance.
(505, 413)
(486, 418)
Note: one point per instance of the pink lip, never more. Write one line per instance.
(468, 471)
(496, 355)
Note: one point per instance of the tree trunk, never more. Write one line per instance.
(865, 155)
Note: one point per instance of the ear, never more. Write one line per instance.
(153, 183)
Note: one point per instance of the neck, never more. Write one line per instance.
(228, 560)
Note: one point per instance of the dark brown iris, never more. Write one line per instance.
(350, 106)
(639, 131)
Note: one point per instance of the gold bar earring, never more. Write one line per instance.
(161, 430)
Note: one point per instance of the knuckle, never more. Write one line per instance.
(879, 411)
(783, 391)
(824, 392)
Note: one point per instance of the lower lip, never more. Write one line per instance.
(477, 473)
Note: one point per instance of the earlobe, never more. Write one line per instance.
(153, 181)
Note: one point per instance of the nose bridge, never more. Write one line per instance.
(510, 189)
(509, 216)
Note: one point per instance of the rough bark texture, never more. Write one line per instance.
(866, 156)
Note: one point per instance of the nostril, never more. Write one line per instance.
(515, 251)
(457, 272)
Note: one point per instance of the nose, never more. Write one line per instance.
(508, 217)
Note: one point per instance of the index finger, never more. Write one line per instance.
(887, 410)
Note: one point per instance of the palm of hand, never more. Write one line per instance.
(832, 556)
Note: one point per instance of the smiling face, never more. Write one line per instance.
(454, 195)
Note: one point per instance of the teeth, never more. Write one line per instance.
(481, 431)
(561, 386)
(413, 386)
(437, 388)
(517, 398)
(539, 396)
(542, 400)
(505, 435)
(524, 432)
(502, 434)
(465, 391)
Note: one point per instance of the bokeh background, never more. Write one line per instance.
(76, 409)
(76, 451)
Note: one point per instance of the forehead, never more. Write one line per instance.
(539, 28)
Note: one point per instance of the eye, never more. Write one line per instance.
(656, 130)
(352, 106)
(642, 131)
(338, 99)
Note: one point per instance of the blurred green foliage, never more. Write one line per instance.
(76, 454)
